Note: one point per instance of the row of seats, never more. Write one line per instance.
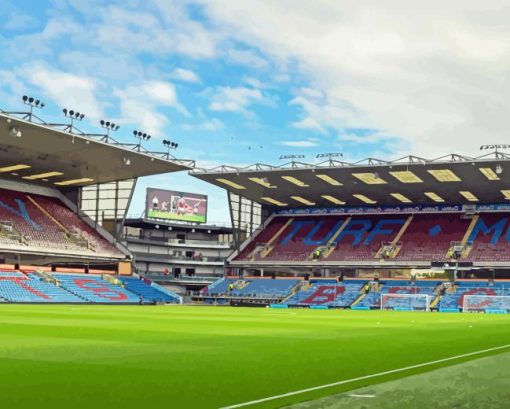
(148, 292)
(361, 294)
(327, 293)
(43, 222)
(17, 287)
(422, 237)
(256, 288)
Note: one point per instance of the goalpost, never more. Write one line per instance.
(405, 302)
(486, 303)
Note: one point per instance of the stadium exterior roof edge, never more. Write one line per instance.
(64, 156)
(452, 178)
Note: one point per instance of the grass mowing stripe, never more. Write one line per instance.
(362, 378)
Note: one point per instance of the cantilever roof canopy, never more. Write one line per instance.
(452, 179)
(50, 157)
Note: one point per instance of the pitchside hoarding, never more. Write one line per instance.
(173, 205)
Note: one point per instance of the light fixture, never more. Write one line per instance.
(169, 145)
(141, 136)
(14, 168)
(444, 175)
(273, 201)
(490, 174)
(126, 161)
(74, 181)
(263, 182)
(231, 183)
(74, 115)
(295, 181)
(15, 131)
(499, 169)
(32, 103)
(329, 179)
(333, 199)
(364, 199)
(370, 178)
(43, 175)
(469, 196)
(406, 176)
(303, 200)
(401, 198)
(110, 127)
(434, 196)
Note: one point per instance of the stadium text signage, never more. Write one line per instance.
(496, 207)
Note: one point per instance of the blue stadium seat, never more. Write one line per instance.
(145, 290)
(96, 290)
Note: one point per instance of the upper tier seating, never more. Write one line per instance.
(18, 287)
(45, 223)
(426, 238)
(429, 236)
(145, 290)
(489, 239)
(96, 290)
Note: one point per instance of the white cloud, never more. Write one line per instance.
(211, 125)
(229, 99)
(306, 143)
(66, 89)
(169, 31)
(141, 102)
(182, 74)
(19, 21)
(434, 75)
(247, 57)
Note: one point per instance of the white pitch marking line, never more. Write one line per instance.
(355, 395)
(361, 378)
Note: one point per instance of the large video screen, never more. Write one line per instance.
(172, 205)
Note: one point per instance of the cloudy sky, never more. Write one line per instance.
(239, 82)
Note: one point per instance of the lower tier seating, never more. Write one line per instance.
(254, 288)
(145, 290)
(21, 288)
(326, 293)
(96, 290)
(372, 300)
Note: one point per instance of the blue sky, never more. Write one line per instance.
(238, 82)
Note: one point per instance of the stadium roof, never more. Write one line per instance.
(451, 179)
(39, 153)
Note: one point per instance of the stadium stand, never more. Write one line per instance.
(96, 290)
(265, 288)
(253, 287)
(20, 288)
(422, 237)
(46, 223)
(454, 299)
(148, 292)
(326, 293)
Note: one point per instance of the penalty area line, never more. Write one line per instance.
(361, 378)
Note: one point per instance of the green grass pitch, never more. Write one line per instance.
(210, 357)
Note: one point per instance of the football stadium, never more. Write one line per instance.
(250, 204)
(368, 284)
